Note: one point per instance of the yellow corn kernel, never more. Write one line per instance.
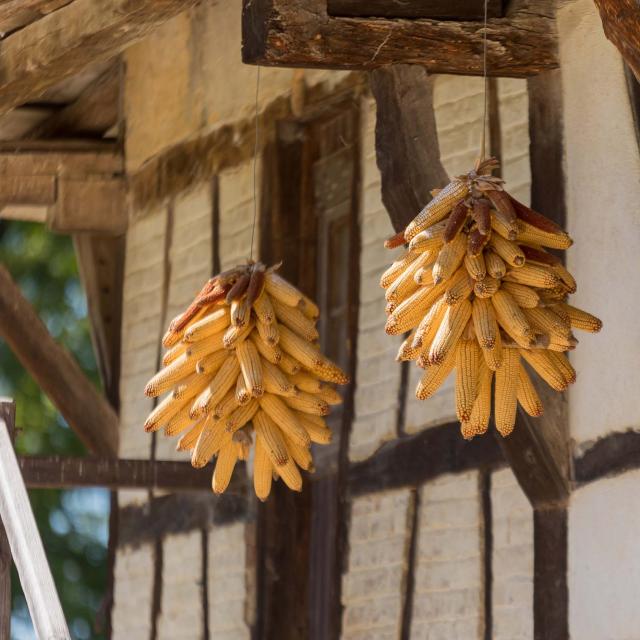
(467, 431)
(269, 333)
(506, 399)
(329, 395)
(233, 336)
(542, 363)
(504, 230)
(429, 240)
(459, 287)
(222, 382)
(405, 284)
(179, 423)
(309, 308)
(299, 454)
(289, 365)
(509, 251)
(438, 208)
(476, 266)
(211, 438)
(240, 416)
(306, 382)
(510, 315)
(496, 267)
(240, 312)
(296, 321)
(449, 258)
(170, 376)
(397, 268)
(275, 381)
(269, 352)
(188, 440)
(308, 403)
(527, 395)
(209, 365)
(486, 288)
(318, 432)
(225, 465)
(409, 314)
(406, 350)
(566, 277)
(525, 297)
(174, 353)
(580, 319)
(493, 356)
(564, 367)
(467, 377)
(453, 324)
(285, 418)
(422, 277)
(279, 289)
(426, 330)
(481, 412)
(263, 308)
(191, 387)
(242, 393)
(163, 412)
(435, 375)
(485, 323)
(533, 275)
(251, 367)
(223, 408)
(268, 432)
(290, 475)
(262, 472)
(548, 322)
(532, 235)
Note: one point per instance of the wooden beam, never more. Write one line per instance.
(440, 9)
(55, 370)
(407, 150)
(621, 23)
(8, 414)
(59, 472)
(15, 14)
(300, 33)
(66, 41)
(607, 456)
(93, 113)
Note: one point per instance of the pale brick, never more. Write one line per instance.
(373, 583)
(512, 560)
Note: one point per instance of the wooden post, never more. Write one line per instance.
(8, 414)
(26, 546)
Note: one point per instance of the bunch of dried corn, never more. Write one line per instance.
(478, 292)
(242, 360)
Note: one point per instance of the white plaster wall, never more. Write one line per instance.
(603, 191)
(604, 560)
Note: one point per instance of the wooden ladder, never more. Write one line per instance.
(21, 541)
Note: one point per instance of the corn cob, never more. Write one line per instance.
(406, 350)
(477, 242)
(580, 319)
(527, 395)
(329, 394)
(504, 211)
(486, 288)
(525, 297)
(306, 382)
(467, 376)
(289, 365)
(429, 240)
(262, 471)
(428, 326)
(264, 309)
(224, 380)
(240, 312)
(404, 285)
(508, 231)
(434, 376)
(235, 335)
(175, 352)
(476, 266)
(279, 289)
(179, 423)
(485, 323)
(453, 324)
(318, 433)
(163, 413)
(285, 417)
(422, 277)
(455, 221)
(251, 368)
(296, 321)
(438, 208)
(269, 352)
(240, 416)
(529, 234)
(215, 322)
(397, 268)
(300, 455)
(242, 394)
(188, 441)
(223, 408)
(290, 475)
(509, 251)
(496, 267)
(308, 403)
(449, 259)
(211, 364)
(271, 437)
(548, 322)
(168, 377)
(459, 288)
(223, 471)
(481, 412)
(510, 315)
(409, 313)
(533, 275)
(211, 438)
(275, 380)
(309, 308)
(545, 367)
(506, 393)
(564, 366)
(190, 387)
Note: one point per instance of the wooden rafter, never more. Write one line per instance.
(56, 371)
(15, 14)
(441, 9)
(300, 33)
(66, 41)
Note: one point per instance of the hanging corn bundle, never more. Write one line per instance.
(243, 363)
(479, 293)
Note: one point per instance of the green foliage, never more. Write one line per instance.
(72, 523)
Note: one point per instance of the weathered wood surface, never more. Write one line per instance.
(66, 41)
(8, 414)
(300, 33)
(15, 14)
(56, 371)
(407, 150)
(94, 111)
(26, 546)
(621, 22)
(28, 190)
(441, 9)
(60, 472)
(611, 455)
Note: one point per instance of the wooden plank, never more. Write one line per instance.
(28, 190)
(407, 150)
(55, 370)
(62, 472)
(8, 414)
(71, 159)
(412, 461)
(66, 41)
(15, 14)
(621, 22)
(26, 546)
(94, 111)
(300, 33)
(25, 213)
(611, 455)
(440, 9)
(101, 264)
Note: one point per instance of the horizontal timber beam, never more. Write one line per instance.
(301, 33)
(64, 42)
(56, 371)
(441, 9)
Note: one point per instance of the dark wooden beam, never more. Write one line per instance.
(56, 371)
(66, 41)
(300, 33)
(412, 461)
(93, 113)
(8, 414)
(611, 455)
(60, 472)
(407, 150)
(439, 9)
(621, 23)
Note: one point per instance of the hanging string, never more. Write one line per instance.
(486, 82)
(255, 164)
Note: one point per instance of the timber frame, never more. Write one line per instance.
(301, 33)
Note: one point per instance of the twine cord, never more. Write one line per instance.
(486, 92)
(255, 164)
